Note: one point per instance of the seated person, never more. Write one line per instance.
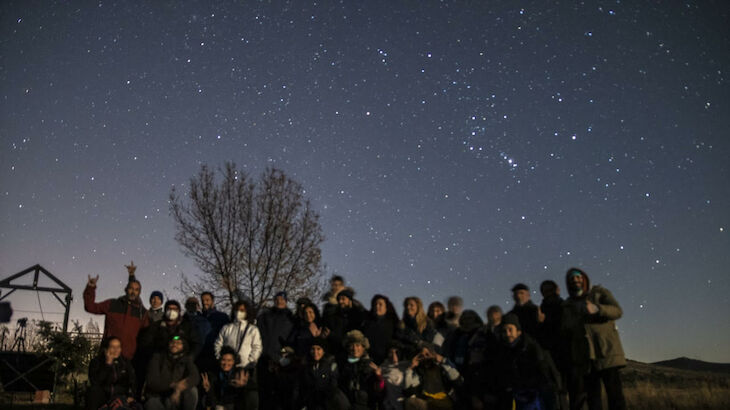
(171, 378)
(111, 377)
(430, 378)
(316, 388)
(360, 379)
(224, 386)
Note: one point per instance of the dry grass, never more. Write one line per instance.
(653, 387)
(646, 395)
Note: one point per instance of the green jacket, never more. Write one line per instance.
(593, 338)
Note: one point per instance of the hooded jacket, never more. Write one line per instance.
(593, 339)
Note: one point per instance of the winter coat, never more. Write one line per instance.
(165, 369)
(549, 337)
(483, 353)
(317, 382)
(550, 333)
(110, 381)
(593, 339)
(201, 327)
(339, 322)
(360, 384)
(457, 346)
(412, 338)
(525, 369)
(380, 331)
(300, 338)
(122, 318)
(217, 320)
(246, 342)
(221, 391)
(527, 314)
(274, 325)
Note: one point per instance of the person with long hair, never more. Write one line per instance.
(417, 326)
(308, 327)
(437, 314)
(381, 326)
(111, 377)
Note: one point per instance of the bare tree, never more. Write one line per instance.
(249, 238)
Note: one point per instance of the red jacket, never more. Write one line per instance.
(123, 318)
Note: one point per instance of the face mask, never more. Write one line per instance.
(353, 359)
(241, 316)
(284, 361)
(171, 314)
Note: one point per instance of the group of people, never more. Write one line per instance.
(553, 356)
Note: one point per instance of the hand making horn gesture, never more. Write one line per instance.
(92, 281)
(131, 268)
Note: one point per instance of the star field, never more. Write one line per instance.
(448, 148)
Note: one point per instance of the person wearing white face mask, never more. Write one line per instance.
(154, 338)
(244, 338)
(242, 335)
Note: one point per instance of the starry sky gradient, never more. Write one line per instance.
(449, 147)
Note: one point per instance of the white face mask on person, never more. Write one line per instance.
(171, 314)
(240, 316)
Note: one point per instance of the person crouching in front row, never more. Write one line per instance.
(171, 378)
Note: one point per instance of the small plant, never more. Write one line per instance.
(71, 352)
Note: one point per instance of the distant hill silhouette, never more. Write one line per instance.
(685, 363)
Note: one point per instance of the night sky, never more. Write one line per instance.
(449, 147)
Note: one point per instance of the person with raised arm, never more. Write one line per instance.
(124, 316)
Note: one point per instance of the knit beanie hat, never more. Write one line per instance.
(319, 341)
(158, 294)
(348, 293)
(511, 319)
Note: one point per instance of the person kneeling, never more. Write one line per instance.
(224, 387)
(171, 378)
